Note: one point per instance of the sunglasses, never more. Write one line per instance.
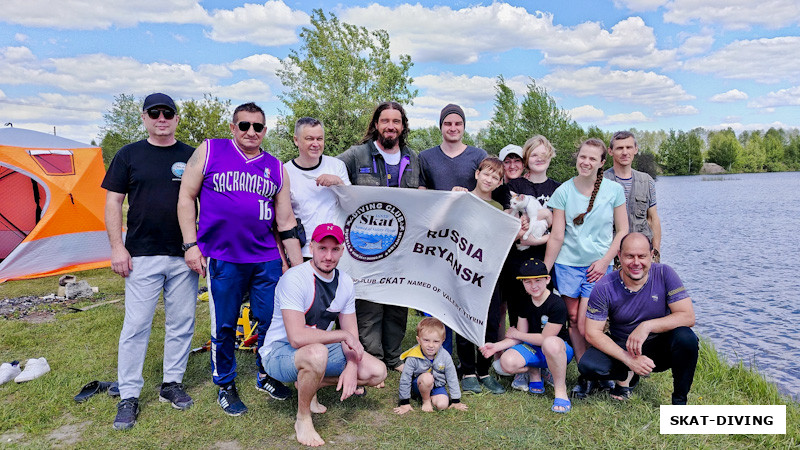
(245, 126)
(154, 113)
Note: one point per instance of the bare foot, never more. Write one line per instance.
(427, 406)
(380, 385)
(306, 434)
(317, 407)
(400, 367)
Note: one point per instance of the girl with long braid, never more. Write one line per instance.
(586, 210)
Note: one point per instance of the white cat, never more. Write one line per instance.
(521, 203)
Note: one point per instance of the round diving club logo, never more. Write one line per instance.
(177, 170)
(374, 231)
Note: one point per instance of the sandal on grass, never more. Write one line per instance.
(536, 387)
(623, 393)
(90, 389)
(363, 390)
(563, 403)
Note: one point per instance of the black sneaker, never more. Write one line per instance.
(127, 411)
(606, 385)
(583, 388)
(173, 393)
(113, 390)
(273, 387)
(228, 399)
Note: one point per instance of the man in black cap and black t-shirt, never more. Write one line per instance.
(151, 259)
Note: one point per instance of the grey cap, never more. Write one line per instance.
(451, 109)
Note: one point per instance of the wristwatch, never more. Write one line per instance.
(188, 245)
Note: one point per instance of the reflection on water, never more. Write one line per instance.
(734, 242)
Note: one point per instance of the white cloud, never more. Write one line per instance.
(13, 55)
(734, 14)
(246, 91)
(111, 75)
(100, 74)
(762, 60)
(633, 87)
(465, 89)
(589, 114)
(586, 113)
(70, 109)
(783, 97)
(630, 44)
(258, 65)
(629, 118)
(470, 32)
(640, 5)
(728, 97)
(677, 110)
(739, 127)
(83, 15)
(19, 37)
(271, 24)
(695, 45)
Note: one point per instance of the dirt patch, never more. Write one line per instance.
(39, 317)
(10, 438)
(68, 435)
(36, 309)
(227, 445)
(345, 438)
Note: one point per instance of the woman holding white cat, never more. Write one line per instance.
(537, 154)
(586, 210)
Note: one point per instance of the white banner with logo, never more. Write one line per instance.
(435, 251)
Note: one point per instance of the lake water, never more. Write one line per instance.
(733, 239)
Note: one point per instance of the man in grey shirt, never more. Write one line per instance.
(452, 163)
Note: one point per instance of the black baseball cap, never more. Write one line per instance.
(532, 268)
(159, 99)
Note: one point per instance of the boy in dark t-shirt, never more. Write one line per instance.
(540, 338)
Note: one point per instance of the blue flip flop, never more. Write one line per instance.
(563, 403)
(536, 387)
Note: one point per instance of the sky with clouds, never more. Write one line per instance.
(648, 64)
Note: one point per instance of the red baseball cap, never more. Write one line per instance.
(328, 229)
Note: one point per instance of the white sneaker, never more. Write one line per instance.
(8, 371)
(499, 370)
(520, 382)
(34, 368)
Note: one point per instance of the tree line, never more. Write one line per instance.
(341, 72)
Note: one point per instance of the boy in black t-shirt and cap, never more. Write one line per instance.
(540, 338)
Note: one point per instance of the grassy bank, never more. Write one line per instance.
(81, 347)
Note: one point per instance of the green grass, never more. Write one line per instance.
(81, 347)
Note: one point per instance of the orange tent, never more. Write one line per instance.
(51, 206)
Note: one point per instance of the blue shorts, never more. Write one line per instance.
(441, 390)
(279, 362)
(571, 280)
(535, 358)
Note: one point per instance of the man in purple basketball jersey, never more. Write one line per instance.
(244, 194)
